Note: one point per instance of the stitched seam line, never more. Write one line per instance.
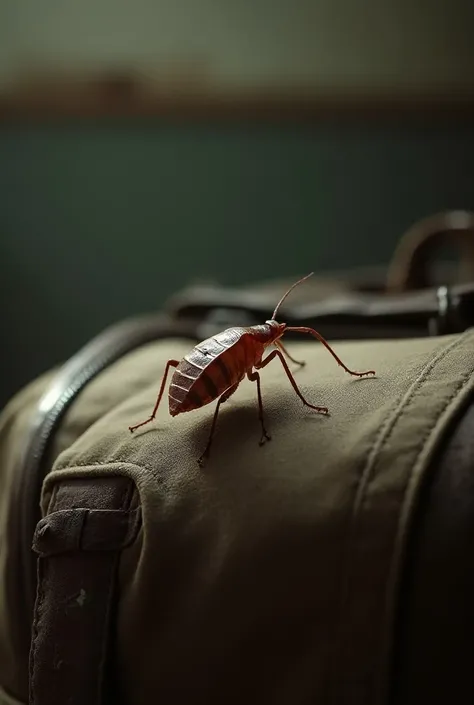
(384, 434)
(401, 535)
(102, 463)
(391, 420)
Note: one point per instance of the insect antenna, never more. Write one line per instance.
(288, 292)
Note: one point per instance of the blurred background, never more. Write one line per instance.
(147, 145)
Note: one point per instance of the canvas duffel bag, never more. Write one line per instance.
(331, 565)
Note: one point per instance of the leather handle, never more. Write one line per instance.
(409, 268)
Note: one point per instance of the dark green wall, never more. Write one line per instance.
(101, 222)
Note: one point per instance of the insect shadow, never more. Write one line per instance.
(236, 427)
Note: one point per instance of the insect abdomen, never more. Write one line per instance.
(209, 370)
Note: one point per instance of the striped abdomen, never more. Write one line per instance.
(211, 368)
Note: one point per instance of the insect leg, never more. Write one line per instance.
(275, 353)
(319, 337)
(280, 345)
(222, 399)
(255, 377)
(170, 363)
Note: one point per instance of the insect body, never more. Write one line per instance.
(216, 366)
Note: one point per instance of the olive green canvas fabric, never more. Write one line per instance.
(269, 575)
(6, 699)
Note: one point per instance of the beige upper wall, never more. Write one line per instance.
(325, 42)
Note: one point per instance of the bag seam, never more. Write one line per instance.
(392, 418)
(408, 498)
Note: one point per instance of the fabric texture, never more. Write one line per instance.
(273, 570)
(270, 575)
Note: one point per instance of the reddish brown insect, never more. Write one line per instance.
(215, 368)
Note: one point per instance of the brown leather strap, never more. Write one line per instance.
(78, 542)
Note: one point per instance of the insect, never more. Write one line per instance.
(216, 366)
